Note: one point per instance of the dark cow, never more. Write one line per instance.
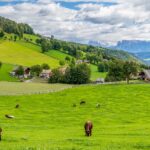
(17, 106)
(82, 102)
(0, 134)
(88, 128)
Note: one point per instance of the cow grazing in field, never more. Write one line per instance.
(82, 102)
(88, 128)
(98, 105)
(74, 105)
(9, 116)
(17, 106)
(0, 134)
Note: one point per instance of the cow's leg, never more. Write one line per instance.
(0, 137)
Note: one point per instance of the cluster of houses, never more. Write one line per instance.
(27, 73)
(45, 74)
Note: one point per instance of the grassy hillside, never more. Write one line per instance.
(50, 122)
(57, 54)
(4, 73)
(16, 53)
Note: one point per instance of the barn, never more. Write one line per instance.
(145, 75)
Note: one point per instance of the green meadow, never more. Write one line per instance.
(4, 73)
(49, 122)
(23, 54)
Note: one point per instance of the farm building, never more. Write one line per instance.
(26, 74)
(82, 61)
(145, 75)
(45, 74)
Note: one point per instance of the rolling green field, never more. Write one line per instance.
(49, 122)
(4, 73)
(17, 53)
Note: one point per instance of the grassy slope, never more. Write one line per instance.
(18, 53)
(4, 73)
(57, 54)
(50, 122)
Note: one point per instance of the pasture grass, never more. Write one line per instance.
(16, 53)
(49, 122)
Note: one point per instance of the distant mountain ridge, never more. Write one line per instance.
(134, 46)
(140, 49)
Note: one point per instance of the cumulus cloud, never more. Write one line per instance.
(91, 21)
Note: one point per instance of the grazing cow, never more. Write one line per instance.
(88, 128)
(9, 116)
(17, 106)
(74, 105)
(82, 102)
(98, 105)
(0, 134)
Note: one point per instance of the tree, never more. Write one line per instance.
(129, 69)
(115, 72)
(103, 67)
(44, 45)
(79, 74)
(36, 70)
(2, 34)
(20, 71)
(62, 62)
(67, 59)
(0, 64)
(56, 77)
(15, 37)
(45, 66)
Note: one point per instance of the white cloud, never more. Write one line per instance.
(127, 20)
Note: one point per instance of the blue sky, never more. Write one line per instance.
(105, 21)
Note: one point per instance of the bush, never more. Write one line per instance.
(36, 70)
(103, 67)
(56, 77)
(79, 74)
(20, 71)
(45, 66)
(62, 63)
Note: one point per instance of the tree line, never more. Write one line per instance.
(10, 26)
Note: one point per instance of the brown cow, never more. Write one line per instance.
(88, 128)
(0, 134)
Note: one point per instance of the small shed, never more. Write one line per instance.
(100, 81)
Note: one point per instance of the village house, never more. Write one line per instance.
(27, 73)
(82, 61)
(145, 75)
(45, 74)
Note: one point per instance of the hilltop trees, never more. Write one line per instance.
(10, 26)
